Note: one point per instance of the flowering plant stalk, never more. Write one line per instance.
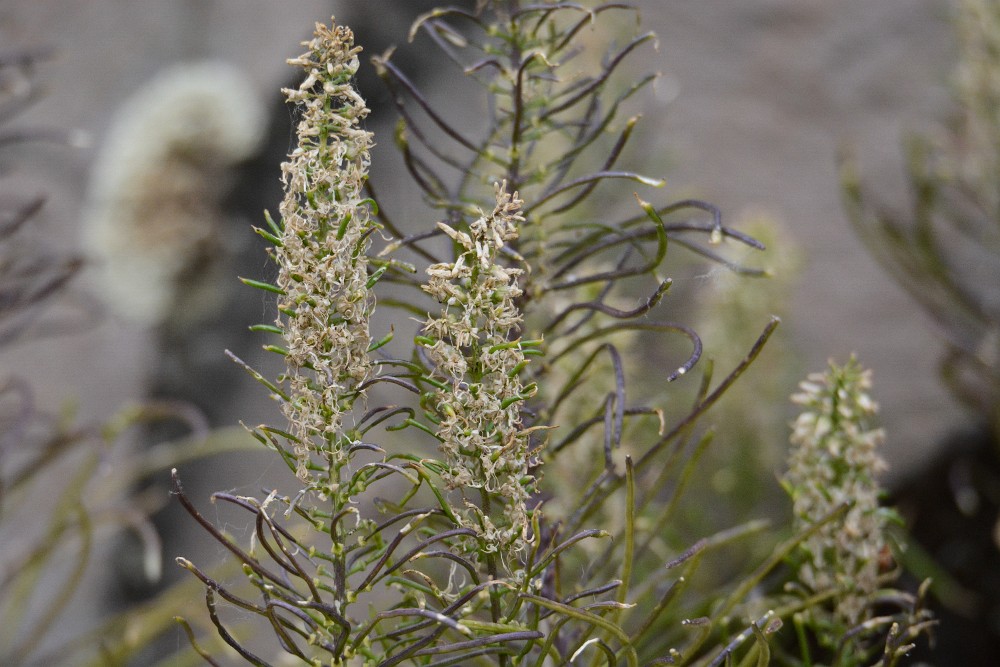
(321, 253)
(474, 346)
(831, 478)
(511, 451)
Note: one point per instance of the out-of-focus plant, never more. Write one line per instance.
(832, 480)
(157, 236)
(65, 489)
(753, 437)
(30, 273)
(31, 276)
(945, 251)
(490, 488)
(153, 225)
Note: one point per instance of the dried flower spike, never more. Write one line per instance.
(833, 461)
(474, 346)
(326, 300)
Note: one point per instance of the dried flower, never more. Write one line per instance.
(322, 256)
(834, 462)
(474, 346)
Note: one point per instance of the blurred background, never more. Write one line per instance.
(755, 101)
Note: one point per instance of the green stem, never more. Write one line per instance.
(491, 570)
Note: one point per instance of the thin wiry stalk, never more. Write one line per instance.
(242, 555)
(618, 314)
(226, 636)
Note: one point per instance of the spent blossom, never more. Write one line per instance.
(834, 462)
(322, 257)
(474, 346)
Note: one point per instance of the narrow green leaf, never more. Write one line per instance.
(268, 236)
(764, 654)
(272, 224)
(278, 431)
(374, 277)
(381, 341)
(627, 561)
(437, 384)
(258, 377)
(267, 287)
(342, 229)
(592, 619)
(521, 365)
(509, 401)
(422, 427)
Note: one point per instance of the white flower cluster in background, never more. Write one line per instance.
(153, 225)
(834, 462)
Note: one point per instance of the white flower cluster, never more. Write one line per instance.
(322, 257)
(474, 347)
(833, 462)
(153, 221)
